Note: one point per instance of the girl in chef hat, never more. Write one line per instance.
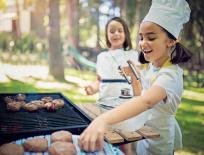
(162, 82)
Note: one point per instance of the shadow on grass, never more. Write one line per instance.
(199, 90)
(191, 123)
(191, 102)
(15, 86)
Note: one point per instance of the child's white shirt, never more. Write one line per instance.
(107, 68)
(163, 114)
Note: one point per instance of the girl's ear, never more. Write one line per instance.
(171, 43)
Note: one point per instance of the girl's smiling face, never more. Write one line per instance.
(154, 43)
(116, 34)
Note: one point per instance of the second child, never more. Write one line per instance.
(110, 83)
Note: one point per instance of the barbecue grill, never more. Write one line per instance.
(23, 124)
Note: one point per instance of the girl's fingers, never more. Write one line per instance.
(100, 141)
(81, 138)
(122, 72)
(93, 136)
(83, 142)
(92, 143)
(86, 145)
(88, 90)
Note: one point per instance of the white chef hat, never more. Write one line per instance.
(169, 14)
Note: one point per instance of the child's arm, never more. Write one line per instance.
(92, 138)
(94, 87)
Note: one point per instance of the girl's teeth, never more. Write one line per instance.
(147, 51)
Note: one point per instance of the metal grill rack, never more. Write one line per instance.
(22, 124)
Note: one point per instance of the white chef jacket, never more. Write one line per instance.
(163, 114)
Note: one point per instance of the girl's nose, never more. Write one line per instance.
(116, 32)
(143, 44)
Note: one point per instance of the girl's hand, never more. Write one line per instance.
(125, 71)
(92, 138)
(90, 90)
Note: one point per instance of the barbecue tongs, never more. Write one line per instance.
(133, 70)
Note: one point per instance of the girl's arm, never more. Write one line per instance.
(93, 136)
(94, 87)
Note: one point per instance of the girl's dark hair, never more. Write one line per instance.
(127, 45)
(179, 55)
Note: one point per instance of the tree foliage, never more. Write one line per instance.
(87, 21)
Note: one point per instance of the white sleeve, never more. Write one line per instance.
(172, 81)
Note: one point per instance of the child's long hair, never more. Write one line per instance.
(127, 45)
(179, 55)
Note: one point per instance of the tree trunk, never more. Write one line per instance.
(142, 7)
(137, 18)
(123, 9)
(98, 28)
(73, 23)
(37, 17)
(56, 67)
(17, 21)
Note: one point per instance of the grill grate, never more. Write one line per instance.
(22, 124)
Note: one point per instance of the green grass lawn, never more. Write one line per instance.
(191, 119)
(190, 114)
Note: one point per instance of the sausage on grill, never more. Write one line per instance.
(8, 99)
(20, 97)
(58, 103)
(14, 106)
(54, 105)
(30, 107)
(40, 104)
(46, 99)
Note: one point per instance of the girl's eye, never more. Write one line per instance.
(112, 31)
(140, 38)
(120, 30)
(151, 38)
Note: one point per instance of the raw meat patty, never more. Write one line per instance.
(36, 145)
(62, 135)
(11, 149)
(62, 148)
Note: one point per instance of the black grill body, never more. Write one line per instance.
(22, 124)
